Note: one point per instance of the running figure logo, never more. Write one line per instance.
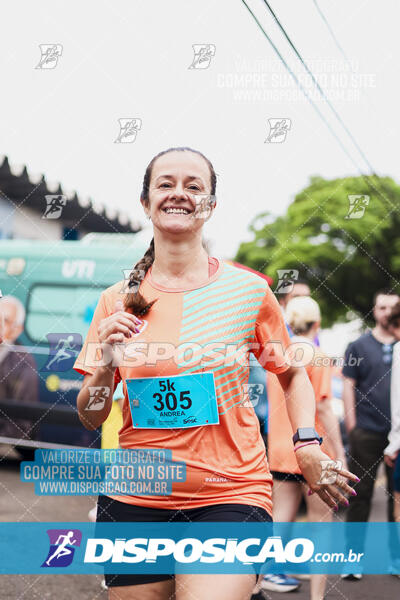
(128, 129)
(286, 279)
(357, 205)
(203, 54)
(50, 54)
(328, 475)
(54, 205)
(204, 205)
(62, 547)
(278, 129)
(63, 351)
(98, 395)
(251, 394)
(135, 287)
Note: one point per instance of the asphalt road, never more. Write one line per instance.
(19, 503)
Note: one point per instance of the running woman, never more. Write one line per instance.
(183, 297)
(304, 318)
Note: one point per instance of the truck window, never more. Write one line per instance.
(60, 308)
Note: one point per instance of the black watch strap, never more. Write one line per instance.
(305, 434)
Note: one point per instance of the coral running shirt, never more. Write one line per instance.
(226, 462)
(280, 445)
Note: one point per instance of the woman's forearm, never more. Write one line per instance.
(300, 398)
(88, 404)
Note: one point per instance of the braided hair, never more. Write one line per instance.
(134, 299)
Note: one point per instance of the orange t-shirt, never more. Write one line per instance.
(225, 463)
(281, 455)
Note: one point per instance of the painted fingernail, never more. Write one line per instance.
(354, 492)
(309, 492)
(358, 479)
(335, 508)
(347, 502)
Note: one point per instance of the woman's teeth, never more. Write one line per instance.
(178, 211)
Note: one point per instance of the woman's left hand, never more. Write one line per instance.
(317, 467)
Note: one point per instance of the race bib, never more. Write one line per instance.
(173, 402)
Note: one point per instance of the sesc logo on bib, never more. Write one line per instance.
(179, 401)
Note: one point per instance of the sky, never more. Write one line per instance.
(130, 59)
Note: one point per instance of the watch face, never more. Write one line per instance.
(306, 433)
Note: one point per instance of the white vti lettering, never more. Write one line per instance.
(83, 269)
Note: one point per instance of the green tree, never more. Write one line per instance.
(344, 260)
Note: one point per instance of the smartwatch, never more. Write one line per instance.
(305, 434)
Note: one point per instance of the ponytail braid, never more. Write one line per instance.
(134, 300)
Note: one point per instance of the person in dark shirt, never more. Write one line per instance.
(366, 396)
(18, 376)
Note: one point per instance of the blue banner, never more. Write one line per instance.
(180, 547)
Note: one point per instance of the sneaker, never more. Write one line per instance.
(92, 514)
(279, 583)
(103, 585)
(351, 576)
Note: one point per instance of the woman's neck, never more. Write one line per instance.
(179, 261)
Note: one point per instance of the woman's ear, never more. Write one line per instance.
(146, 207)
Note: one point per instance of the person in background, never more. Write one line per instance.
(304, 318)
(1, 321)
(392, 450)
(299, 287)
(366, 397)
(18, 375)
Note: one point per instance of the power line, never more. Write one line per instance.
(321, 91)
(370, 185)
(333, 35)
(303, 89)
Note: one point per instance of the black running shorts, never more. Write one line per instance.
(109, 510)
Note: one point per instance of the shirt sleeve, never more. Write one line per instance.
(81, 363)
(351, 370)
(321, 380)
(271, 336)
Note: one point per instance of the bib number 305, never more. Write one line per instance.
(168, 398)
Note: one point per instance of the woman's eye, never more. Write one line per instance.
(194, 187)
(165, 184)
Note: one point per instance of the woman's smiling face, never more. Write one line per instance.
(175, 180)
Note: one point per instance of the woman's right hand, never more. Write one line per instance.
(115, 328)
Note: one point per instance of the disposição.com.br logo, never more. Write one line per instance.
(62, 547)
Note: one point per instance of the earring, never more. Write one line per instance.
(149, 217)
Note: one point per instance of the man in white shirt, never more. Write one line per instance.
(392, 450)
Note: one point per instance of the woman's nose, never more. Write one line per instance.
(178, 192)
